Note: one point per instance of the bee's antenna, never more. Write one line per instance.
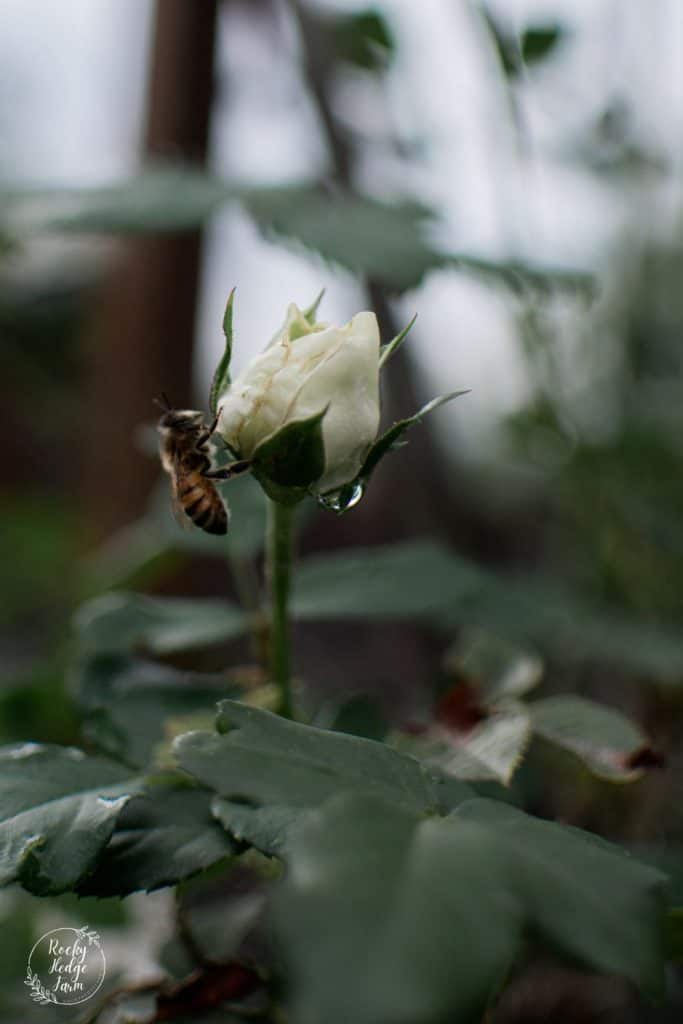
(163, 402)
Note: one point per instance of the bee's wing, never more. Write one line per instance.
(181, 519)
(178, 512)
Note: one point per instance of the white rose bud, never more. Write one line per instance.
(308, 368)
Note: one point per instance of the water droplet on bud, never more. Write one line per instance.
(344, 499)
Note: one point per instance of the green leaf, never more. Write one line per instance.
(586, 896)
(58, 809)
(135, 1007)
(247, 521)
(364, 39)
(424, 580)
(118, 622)
(539, 41)
(262, 757)
(406, 896)
(162, 837)
(289, 461)
(535, 44)
(366, 236)
(519, 276)
(134, 550)
(429, 914)
(130, 705)
(493, 749)
(602, 737)
(499, 670)
(414, 580)
(160, 198)
(667, 857)
(221, 378)
(222, 911)
(480, 729)
(386, 242)
(674, 935)
(266, 828)
(387, 351)
(541, 612)
(389, 439)
(357, 714)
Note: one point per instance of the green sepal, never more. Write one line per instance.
(391, 436)
(288, 462)
(221, 378)
(348, 496)
(387, 351)
(311, 312)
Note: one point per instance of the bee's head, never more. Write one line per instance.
(178, 419)
(181, 419)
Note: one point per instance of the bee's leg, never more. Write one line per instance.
(208, 431)
(227, 472)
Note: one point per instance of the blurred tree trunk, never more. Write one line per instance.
(142, 328)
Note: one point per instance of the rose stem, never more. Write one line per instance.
(279, 554)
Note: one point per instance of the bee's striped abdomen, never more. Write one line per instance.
(202, 503)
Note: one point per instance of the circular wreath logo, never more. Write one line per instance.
(66, 966)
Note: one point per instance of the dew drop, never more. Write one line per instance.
(344, 499)
(352, 497)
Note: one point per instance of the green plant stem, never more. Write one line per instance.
(279, 555)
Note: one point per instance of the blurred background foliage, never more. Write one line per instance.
(526, 204)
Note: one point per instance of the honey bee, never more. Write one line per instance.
(186, 457)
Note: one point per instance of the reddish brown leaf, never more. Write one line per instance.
(644, 757)
(460, 708)
(206, 988)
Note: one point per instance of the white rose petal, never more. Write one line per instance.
(305, 369)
